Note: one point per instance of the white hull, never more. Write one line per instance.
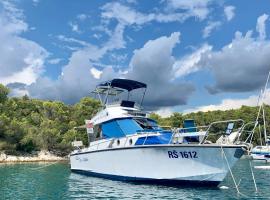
(260, 153)
(186, 163)
(258, 156)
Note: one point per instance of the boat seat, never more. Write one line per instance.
(229, 128)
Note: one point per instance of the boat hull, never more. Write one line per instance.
(173, 164)
(260, 153)
(260, 156)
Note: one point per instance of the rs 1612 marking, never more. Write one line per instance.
(182, 154)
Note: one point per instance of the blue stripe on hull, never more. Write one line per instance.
(148, 180)
(261, 153)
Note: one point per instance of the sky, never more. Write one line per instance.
(194, 55)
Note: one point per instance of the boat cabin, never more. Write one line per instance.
(122, 118)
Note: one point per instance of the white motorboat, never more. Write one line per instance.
(261, 152)
(127, 145)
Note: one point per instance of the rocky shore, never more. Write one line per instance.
(42, 156)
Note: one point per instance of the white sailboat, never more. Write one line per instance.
(261, 152)
(127, 145)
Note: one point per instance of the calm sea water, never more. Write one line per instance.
(55, 181)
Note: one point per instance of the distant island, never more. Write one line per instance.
(30, 126)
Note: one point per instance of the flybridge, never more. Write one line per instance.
(110, 91)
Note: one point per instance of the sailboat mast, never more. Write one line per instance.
(260, 134)
(264, 125)
(258, 115)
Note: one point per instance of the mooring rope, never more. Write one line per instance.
(236, 186)
(230, 170)
(253, 177)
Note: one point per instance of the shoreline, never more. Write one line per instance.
(42, 156)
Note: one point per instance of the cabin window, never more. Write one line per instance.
(97, 131)
(120, 128)
(147, 123)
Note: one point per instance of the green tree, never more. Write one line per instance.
(176, 119)
(4, 91)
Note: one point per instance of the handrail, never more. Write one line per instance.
(251, 132)
(97, 144)
(197, 127)
(147, 134)
(219, 122)
(145, 138)
(174, 132)
(107, 141)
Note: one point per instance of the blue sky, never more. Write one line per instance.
(194, 55)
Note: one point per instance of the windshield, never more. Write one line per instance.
(146, 123)
(119, 128)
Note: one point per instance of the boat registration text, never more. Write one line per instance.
(182, 154)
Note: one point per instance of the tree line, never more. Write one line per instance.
(29, 125)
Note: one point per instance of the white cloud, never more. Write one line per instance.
(239, 66)
(123, 14)
(20, 59)
(128, 16)
(102, 28)
(27, 76)
(260, 27)
(190, 63)
(132, 1)
(228, 104)
(117, 58)
(74, 27)
(116, 40)
(197, 8)
(72, 40)
(164, 112)
(210, 27)
(18, 92)
(153, 64)
(96, 73)
(80, 75)
(36, 2)
(82, 17)
(97, 36)
(229, 12)
(55, 61)
(12, 19)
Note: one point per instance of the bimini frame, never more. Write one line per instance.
(117, 86)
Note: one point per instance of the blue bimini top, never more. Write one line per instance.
(119, 128)
(126, 84)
